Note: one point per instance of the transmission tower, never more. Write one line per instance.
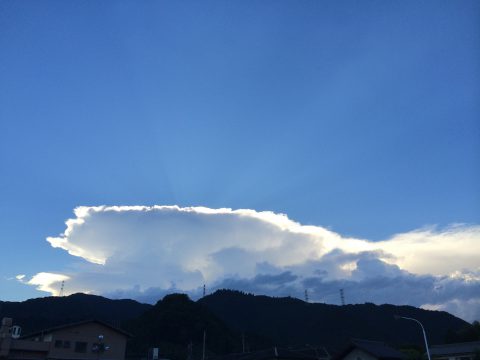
(342, 297)
(62, 288)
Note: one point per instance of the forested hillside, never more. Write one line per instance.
(290, 321)
(232, 320)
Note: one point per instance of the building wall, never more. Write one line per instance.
(357, 354)
(77, 342)
(24, 349)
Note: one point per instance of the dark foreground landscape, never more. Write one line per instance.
(233, 321)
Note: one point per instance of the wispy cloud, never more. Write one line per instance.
(146, 251)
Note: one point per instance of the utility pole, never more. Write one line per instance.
(190, 350)
(204, 338)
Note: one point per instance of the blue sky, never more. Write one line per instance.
(358, 117)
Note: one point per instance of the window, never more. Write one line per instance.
(58, 343)
(66, 344)
(80, 346)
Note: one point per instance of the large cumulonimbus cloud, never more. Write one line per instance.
(144, 252)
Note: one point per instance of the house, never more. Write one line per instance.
(457, 351)
(90, 339)
(369, 350)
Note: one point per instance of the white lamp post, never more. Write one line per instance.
(423, 330)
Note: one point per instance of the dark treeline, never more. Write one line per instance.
(292, 322)
(233, 321)
(41, 313)
(465, 334)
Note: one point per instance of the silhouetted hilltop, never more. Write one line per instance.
(177, 325)
(291, 322)
(41, 313)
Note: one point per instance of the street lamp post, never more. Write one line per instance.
(423, 330)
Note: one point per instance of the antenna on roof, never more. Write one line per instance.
(342, 297)
(62, 287)
(306, 295)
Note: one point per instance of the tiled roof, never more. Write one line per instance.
(279, 353)
(457, 348)
(378, 349)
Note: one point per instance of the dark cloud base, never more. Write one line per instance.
(373, 280)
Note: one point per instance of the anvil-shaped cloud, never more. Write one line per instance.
(146, 251)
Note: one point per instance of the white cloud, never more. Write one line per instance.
(429, 251)
(141, 250)
(466, 309)
(44, 281)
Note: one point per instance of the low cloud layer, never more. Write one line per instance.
(145, 252)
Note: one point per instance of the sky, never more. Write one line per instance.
(273, 147)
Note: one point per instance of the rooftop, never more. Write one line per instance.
(61, 327)
(456, 348)
(377, 349)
